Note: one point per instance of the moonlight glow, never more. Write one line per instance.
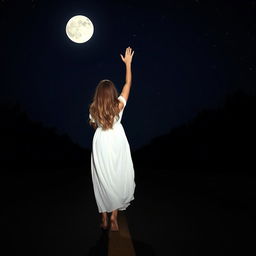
(79, 29)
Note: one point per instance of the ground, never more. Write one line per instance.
(53, 212)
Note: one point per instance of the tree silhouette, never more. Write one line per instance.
(221, 138)
(27, 143)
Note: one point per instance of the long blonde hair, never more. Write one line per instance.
(105, 105)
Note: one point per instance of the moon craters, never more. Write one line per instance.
(79, 29)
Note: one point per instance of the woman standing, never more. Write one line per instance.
(111, 162)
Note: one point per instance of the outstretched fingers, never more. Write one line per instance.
(128, 50)
(128, 55)
(122, 57)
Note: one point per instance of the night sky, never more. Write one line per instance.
(188, 56)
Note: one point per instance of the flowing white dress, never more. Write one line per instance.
(112, 167)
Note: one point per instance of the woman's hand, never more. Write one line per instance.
(127, 58)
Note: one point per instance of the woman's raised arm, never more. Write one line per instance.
(127, 59)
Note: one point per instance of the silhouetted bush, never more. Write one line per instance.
(26, 143)
(222, 138)
(217, 138)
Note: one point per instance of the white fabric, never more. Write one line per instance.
(112, 167)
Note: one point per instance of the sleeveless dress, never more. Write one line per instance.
(112, 167)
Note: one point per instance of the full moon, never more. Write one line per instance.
(79, 29)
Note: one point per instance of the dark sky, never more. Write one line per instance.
(188, 56)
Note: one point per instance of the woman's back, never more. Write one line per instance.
(111, 162)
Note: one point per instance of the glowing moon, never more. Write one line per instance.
(79, 29)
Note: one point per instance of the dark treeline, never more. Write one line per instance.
(222, 138)
(29, 144)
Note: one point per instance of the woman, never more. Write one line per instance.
(111, 162)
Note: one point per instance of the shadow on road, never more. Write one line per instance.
(101, 246)
(175, 212)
